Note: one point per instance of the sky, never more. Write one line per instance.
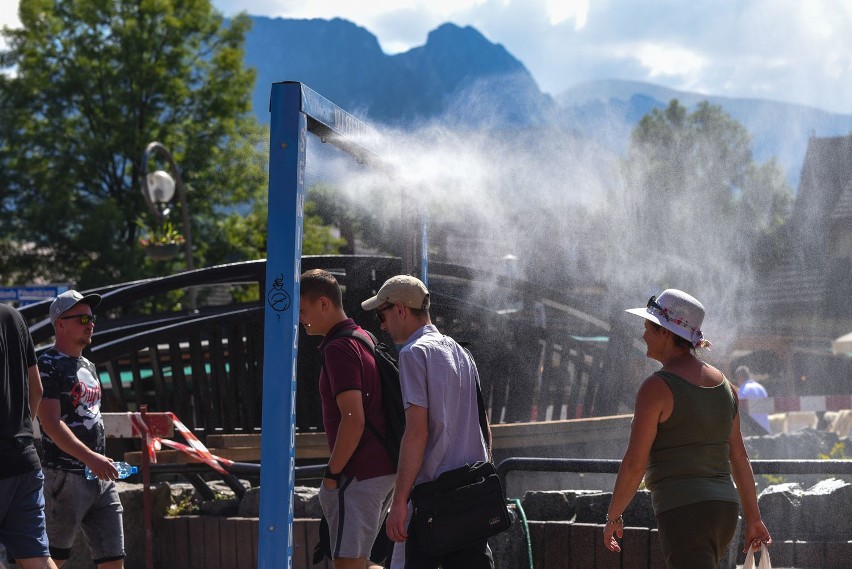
(783, 50)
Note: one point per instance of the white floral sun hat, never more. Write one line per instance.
(677, 312)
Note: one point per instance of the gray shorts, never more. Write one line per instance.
(355, 512)
(71, 502)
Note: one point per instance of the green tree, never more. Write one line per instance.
(693, 208)
(87, 85)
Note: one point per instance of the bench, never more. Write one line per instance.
(506, 437)
(240, 448)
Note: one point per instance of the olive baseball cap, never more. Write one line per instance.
(406, 289)
(69, 299)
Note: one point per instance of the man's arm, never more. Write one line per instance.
(35, 389)
(411, 452)
(351, 405)
(50, 417)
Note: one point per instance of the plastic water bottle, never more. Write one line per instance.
(124, 470)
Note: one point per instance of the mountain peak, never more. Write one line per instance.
(468, 48)
(344, 63)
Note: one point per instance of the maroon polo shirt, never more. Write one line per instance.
(349, 364)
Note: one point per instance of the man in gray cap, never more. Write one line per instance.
(442, 430)
(73, 439)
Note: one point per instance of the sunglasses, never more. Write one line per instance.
(652, 303)
(380, 312)
(85, 319)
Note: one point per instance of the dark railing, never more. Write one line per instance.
(536, 348)
(610, 466)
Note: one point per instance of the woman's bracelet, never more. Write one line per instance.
(618, 520)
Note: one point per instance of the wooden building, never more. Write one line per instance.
(806, 300)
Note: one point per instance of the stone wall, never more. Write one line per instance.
(804, 513)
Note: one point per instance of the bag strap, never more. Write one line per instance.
(480, 402)
(371, 344)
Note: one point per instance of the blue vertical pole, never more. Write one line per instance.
(424, 248)
(288, 130)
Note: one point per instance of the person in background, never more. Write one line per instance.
(359, 477)
(22, 523)
(442, 428)
(685, 440)
(751, 389)
(73, 439)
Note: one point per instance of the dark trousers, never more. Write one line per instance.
(696, 536)
(476, 556)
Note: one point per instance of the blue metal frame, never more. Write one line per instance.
(287, 138)
(296, 110)
(424, 248)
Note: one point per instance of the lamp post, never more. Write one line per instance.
(158, 188)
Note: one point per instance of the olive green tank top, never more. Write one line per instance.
(689, 460)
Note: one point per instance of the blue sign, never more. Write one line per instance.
(31, 293)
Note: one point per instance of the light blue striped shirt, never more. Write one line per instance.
(439, 375)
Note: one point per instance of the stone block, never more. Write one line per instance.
(250, 504)
(552, 505)
(305, 503)
(222, 508)
(640, 511)
(592, 508)
(826, 511)
(779, 506)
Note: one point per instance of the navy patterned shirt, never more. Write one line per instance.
(75, 383)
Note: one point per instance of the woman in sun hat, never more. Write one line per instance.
(686, 442)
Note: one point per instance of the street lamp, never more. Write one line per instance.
(158, 189)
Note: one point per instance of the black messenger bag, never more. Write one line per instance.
(459, 508)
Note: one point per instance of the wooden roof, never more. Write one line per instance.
(803, 287)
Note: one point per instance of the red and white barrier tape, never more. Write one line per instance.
(193, 453)
(196, 448)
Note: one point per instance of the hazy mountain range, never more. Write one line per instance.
(460, 78)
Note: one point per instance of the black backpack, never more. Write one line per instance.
(391, 389)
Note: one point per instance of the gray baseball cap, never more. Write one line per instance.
(69, 299)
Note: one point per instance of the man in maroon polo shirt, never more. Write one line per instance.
(359, 478)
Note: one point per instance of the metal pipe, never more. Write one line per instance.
(610, 466)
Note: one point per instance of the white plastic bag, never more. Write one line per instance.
(765, 563)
